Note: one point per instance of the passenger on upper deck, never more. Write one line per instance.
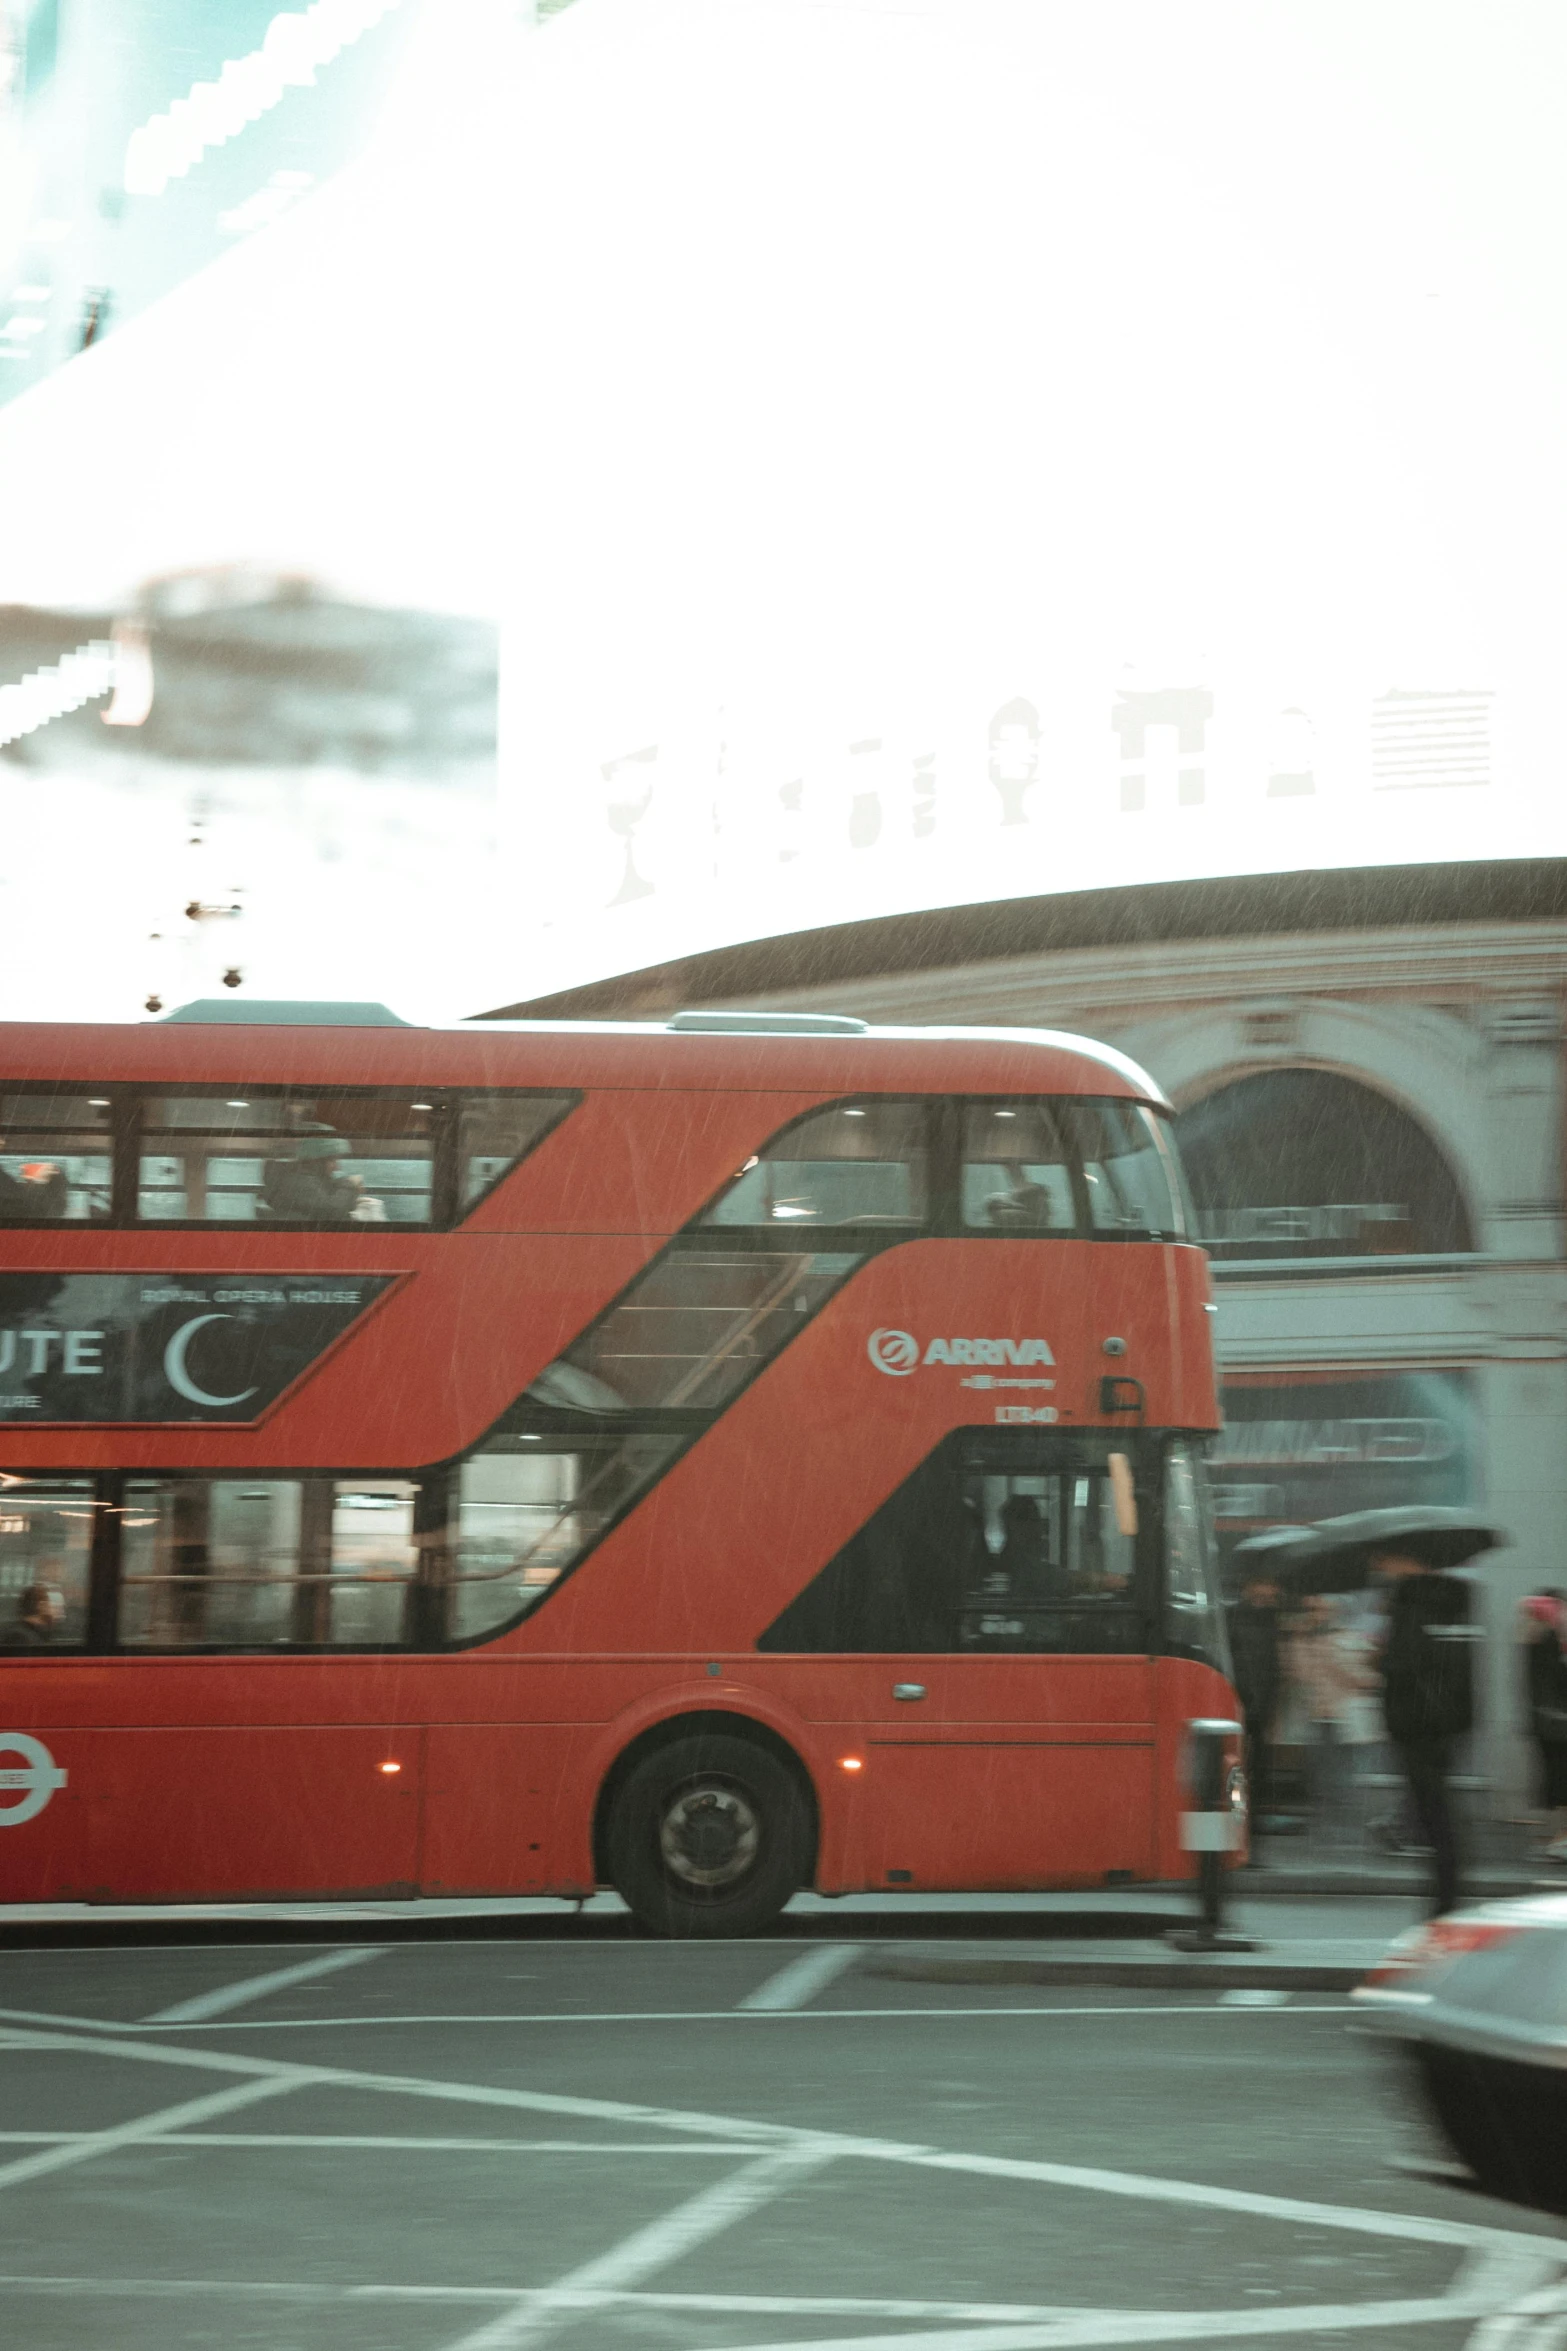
(37, 1194)
(305, 1186)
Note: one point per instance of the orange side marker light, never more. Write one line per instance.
(851, 1763)
(390, 1767)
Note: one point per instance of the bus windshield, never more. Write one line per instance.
(1194, 1616)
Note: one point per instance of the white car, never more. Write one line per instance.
(1477, 2002)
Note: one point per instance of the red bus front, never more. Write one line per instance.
(508, 1461)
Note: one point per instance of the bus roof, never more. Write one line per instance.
(311, 1051)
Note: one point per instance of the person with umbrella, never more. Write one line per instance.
(1256, 1650)
(1426, 1659)
(1545, 1690)
(1427, 1698)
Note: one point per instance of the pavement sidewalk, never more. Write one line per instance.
(1307, 1943)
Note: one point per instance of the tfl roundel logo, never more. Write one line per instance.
(29, 1784)
(894, 1352)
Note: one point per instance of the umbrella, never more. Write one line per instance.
(1273, 1552)
(1335, 1554)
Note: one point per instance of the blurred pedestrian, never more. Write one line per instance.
(1427, 1699)
(1545, 1677)
(1333, 1683)
(1257, 1655)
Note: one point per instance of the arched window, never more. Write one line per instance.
(1296, 1163)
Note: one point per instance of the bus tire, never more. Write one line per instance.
(709, 1835)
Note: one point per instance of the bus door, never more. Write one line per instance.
(989, 1638)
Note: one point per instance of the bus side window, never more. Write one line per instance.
(45, 1549)
(56, 1158)
(859, 1163)
(527, 1507)
(693, 1328)
(247, 1563)
(1017, 1175)
(494, 1131)
(319, 1160)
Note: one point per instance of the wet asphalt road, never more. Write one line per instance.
(606, 2142)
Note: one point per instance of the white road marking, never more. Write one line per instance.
(1359, 2220)
(415, 2143)
(1415, 2228)
(650, 2249)
(1147, 2326)
(800, 1981)
(147, 2126)
(1491, 2274)
(257, 1987)
(290, 2024)
(971, 2326)
(1257, 1996)
(1535, 2322)
(739, 2305)
(701, 2126)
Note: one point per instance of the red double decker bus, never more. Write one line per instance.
(712, 1458)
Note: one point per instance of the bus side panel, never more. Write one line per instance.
(210, 1812)
(508, 1809)
(999, 1817)
(823, 1437)
(1009, 1771)
(809, 1451)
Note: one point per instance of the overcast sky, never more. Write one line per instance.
(833, 363)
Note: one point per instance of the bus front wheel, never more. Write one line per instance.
(709, 1835)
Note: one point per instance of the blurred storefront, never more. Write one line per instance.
(1368, 1072)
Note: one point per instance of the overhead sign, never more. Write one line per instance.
(1299, 1446)
(166, 1347)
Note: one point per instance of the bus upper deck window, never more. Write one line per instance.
(494, 1131)
(1124, 1171)
(1017, 1175)
(858, 1163)
(239, 1157)
(56, 1153)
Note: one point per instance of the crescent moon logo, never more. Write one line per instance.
(176, 1373)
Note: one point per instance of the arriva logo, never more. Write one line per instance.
(37, 1778)
(898, 1352)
